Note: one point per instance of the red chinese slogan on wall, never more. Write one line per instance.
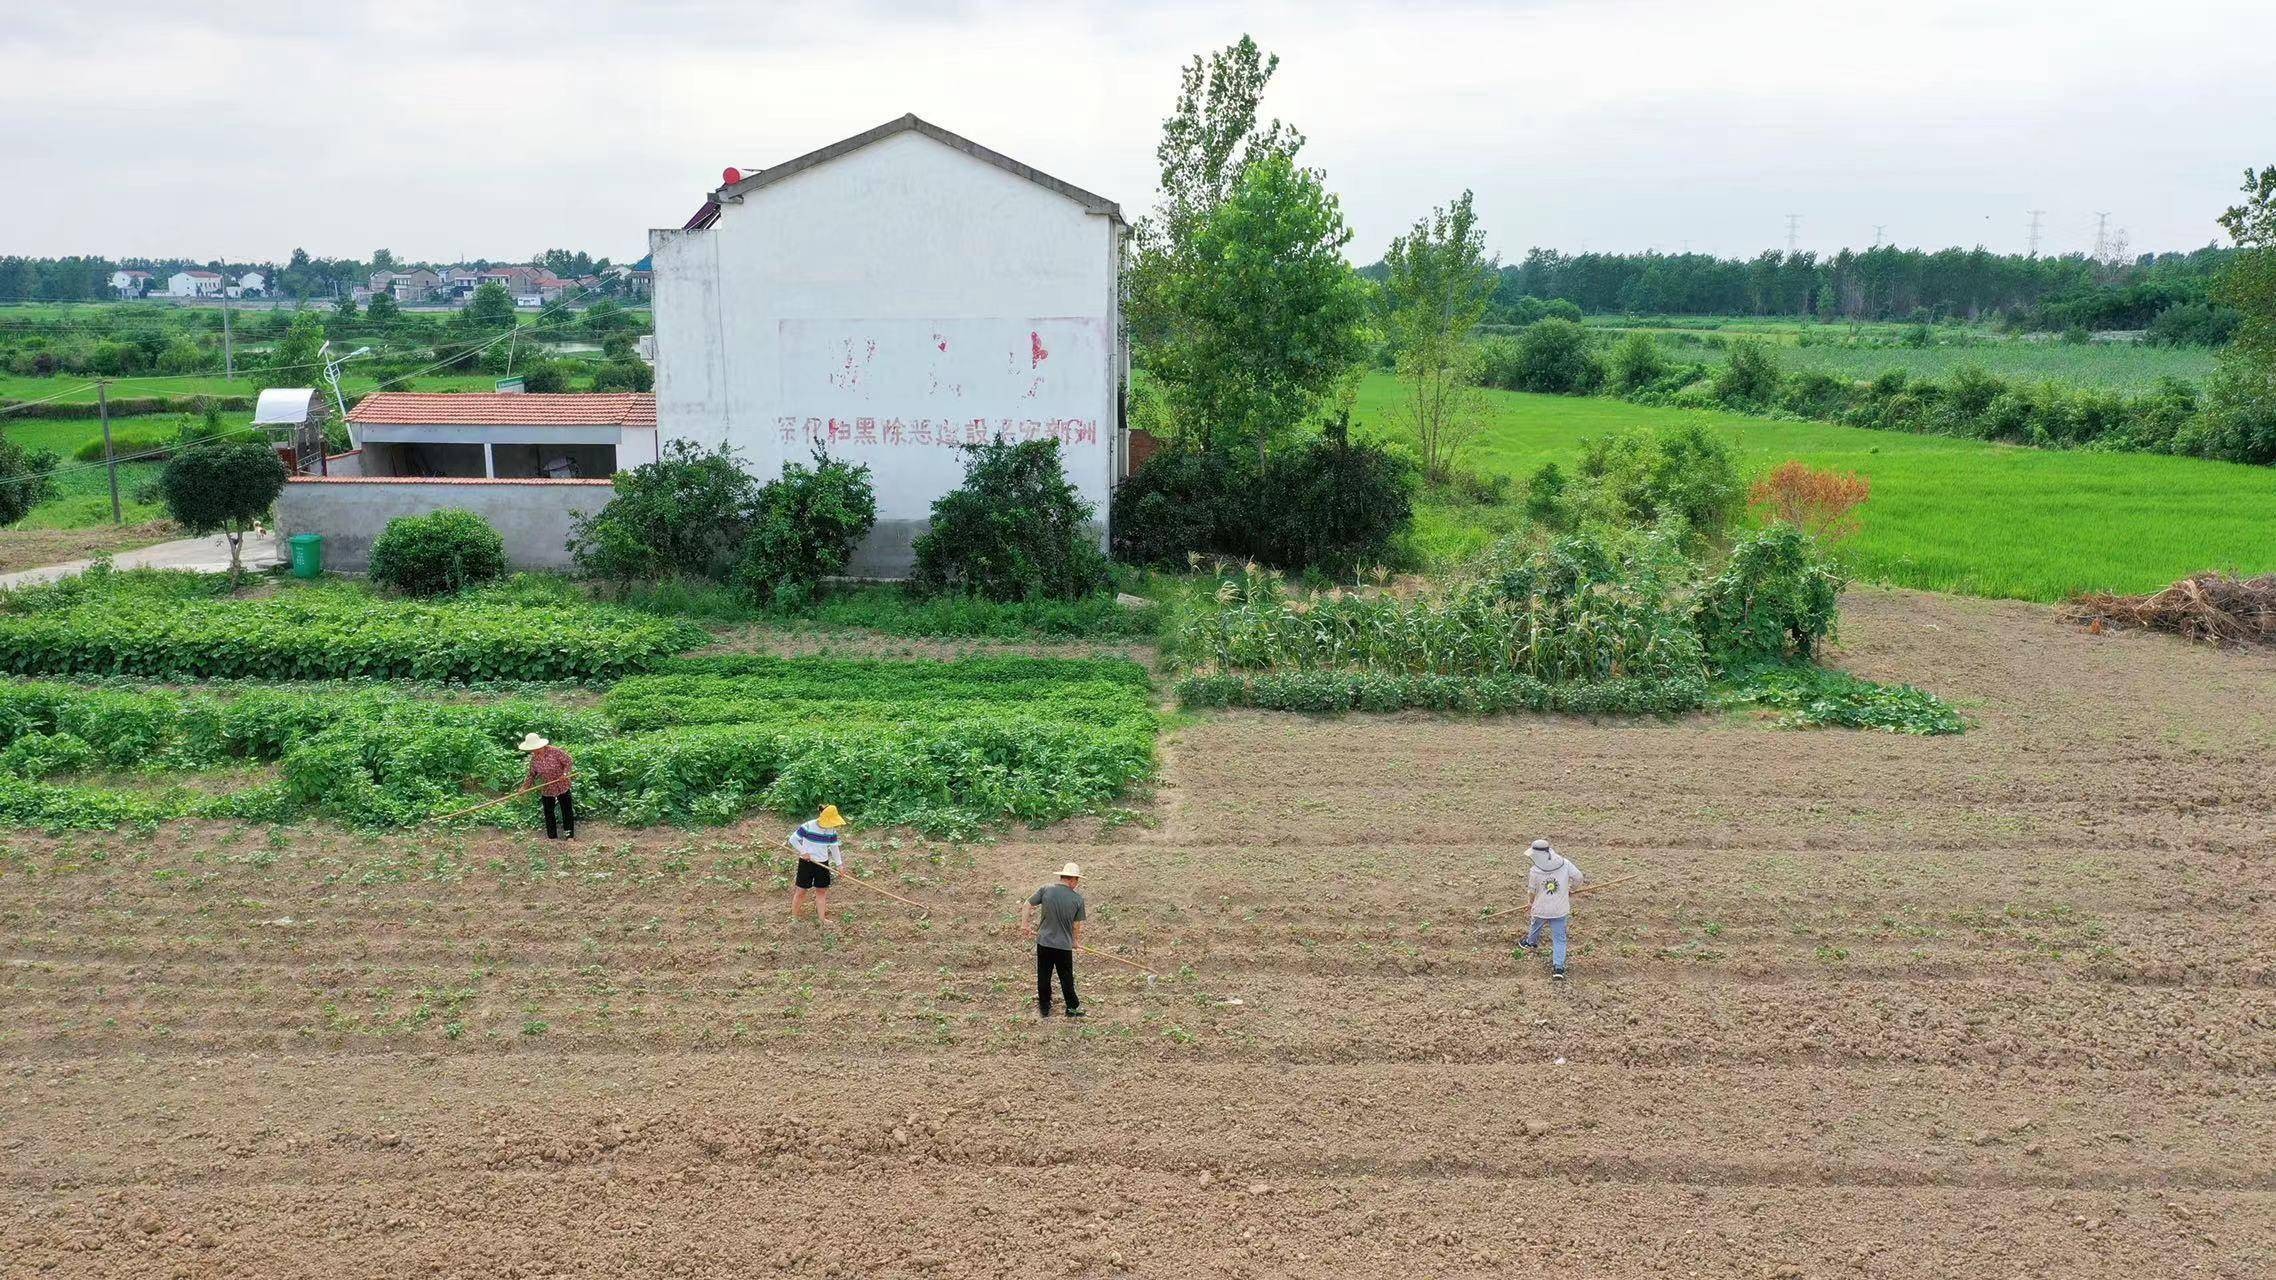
(931, 433)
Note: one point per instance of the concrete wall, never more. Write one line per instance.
(887, 305)
(533, 516)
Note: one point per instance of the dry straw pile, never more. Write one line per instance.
(2215, 608)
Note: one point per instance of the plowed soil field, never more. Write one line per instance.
(1996, 1005)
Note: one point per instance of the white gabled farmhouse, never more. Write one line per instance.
(888, 298)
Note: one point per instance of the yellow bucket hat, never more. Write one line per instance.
(831, 819)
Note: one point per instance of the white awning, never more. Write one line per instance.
(283, 406)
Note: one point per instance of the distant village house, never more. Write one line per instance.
(193, 284)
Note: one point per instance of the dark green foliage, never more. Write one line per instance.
(626, 374)
(2194, 324)
(1328, 503)
(1175, 506)
(440, 553)
(1635, 364)
(222, 488)
(1552, 356)
(1336, 691)
(805, 528)
(1015, 530)
(1774, 601)
(547, 377)
(1749, 378)
(26, 479)
(684, 515)
(1818, 697)
(1545, 502)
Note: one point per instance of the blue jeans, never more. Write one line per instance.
(1556, 938)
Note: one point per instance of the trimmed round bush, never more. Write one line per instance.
(437, 554)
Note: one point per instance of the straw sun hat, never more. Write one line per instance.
(532, 742)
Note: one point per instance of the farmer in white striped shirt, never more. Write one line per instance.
(819, 854)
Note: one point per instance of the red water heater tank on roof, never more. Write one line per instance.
(729, 176)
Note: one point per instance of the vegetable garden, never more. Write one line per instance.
(309, 714)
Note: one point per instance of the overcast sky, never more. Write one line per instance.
(440, 129)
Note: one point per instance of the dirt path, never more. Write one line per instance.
(2001, 1005)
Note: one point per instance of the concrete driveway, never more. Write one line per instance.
(202, 555)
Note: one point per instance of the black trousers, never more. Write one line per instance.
(568, 816)
(1047, 961)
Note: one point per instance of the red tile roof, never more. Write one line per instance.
(486, 409)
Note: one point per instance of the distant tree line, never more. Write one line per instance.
(88, 279)
(2057, 293)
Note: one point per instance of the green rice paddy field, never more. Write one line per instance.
(1946, 514)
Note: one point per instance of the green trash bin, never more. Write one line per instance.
(307, 555)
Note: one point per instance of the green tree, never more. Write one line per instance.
(490, 310)
(1267, 319)
(345, 308)
(2240, 421)
(295, 360)
(384, 310)
(222, 488)
(26, 480)
(805, 528)
(1636, 363)
(685, 514)
(382, 260)
(1438, 282)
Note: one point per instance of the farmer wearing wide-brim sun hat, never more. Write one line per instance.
(819, 855)
(549, 770)
(1550, 882)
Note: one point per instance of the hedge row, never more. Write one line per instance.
(124, 406)
(316, 633)
(1336, 691)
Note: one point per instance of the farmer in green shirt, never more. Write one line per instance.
(1057, 937)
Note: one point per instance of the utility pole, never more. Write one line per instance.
(228, 340)
(2035, 214)
(2101, 233)
(110, 463)
(1793, 232)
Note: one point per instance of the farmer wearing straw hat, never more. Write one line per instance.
(1055, 941)
(549, 770)
(816, 844)
(1551, 881)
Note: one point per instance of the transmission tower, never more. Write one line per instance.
(2035, 216)
(2101, 233)
(1793, 232)
(1878, 228)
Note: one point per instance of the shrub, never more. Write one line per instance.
(684, 515)
(1639, 477)
(1636, 363)
(1173, 507)
(805, 529)
(1328, 504)
(630, 374)
(1015, 530)
(1822, 504)
(1337, 691)
(27, 479)
(440, 553)
(1554, 356)
(1774, 601)
(545, 377)
(1749, 376)
(222, 488)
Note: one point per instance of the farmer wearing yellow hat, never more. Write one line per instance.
(548, 774)
(1057, 937)
(819, 853)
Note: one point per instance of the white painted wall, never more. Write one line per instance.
(886, 304)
